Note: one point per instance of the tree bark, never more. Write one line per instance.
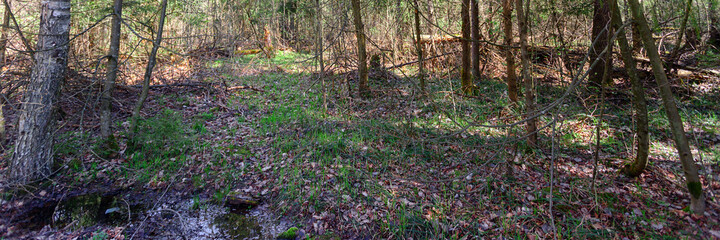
(2, 123)
(3, 49)
(697, 198)
(475, 32)
(363, 89)
(528, 83)
(599, 40)
(511, 78)
(33, 158)
(149, 68)
(112, 69)
(419, 49)
(465, 71)
(4, 34)
(635, 168)
(319, 51)
(636, 40)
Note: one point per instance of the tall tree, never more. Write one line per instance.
(697, 197)
(528, 83)
(4, 33)
(599, 39)
(363, 89)
(319, 50)
(3, 48)
(33, 158)
(511, 77)
(475, 32)
(112, 69)
(465, 73)
(635, 168)
(150, 67)
(419, 48)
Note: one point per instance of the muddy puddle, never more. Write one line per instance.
(194, 218)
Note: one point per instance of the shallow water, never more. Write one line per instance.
(170, 220)
(213, 222)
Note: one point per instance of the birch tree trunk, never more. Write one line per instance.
(33, 158)
(697, 197)
(112, 69)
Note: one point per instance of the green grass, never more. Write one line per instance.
(709, 59)
(162, 136)
(355, 157)
(284, 59)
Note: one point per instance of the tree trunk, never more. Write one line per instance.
(697, 198)
(2, 123)
(683, 27)
(465, 71)
(3, 49)
(363, 89)
(528, 83)
(714, 39)
(599, 40)
(4, 34)
(635, 168)
(112, 69)
(32, 159)
(398, 39)
(636, 40)
(419, 49)
(475, 32)
(511, 78)
(319, 51)
(149, 68)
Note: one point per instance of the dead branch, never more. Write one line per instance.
(245, 87)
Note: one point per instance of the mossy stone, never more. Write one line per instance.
(291, 233)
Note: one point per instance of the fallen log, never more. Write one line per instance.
(245, 87)
(426, 39)
(677, 66)
(240, 202)
(191, 84)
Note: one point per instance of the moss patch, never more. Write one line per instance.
(291, 233)
(695, 189)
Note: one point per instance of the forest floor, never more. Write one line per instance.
(397, 165)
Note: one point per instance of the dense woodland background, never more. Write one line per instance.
(356, 119)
